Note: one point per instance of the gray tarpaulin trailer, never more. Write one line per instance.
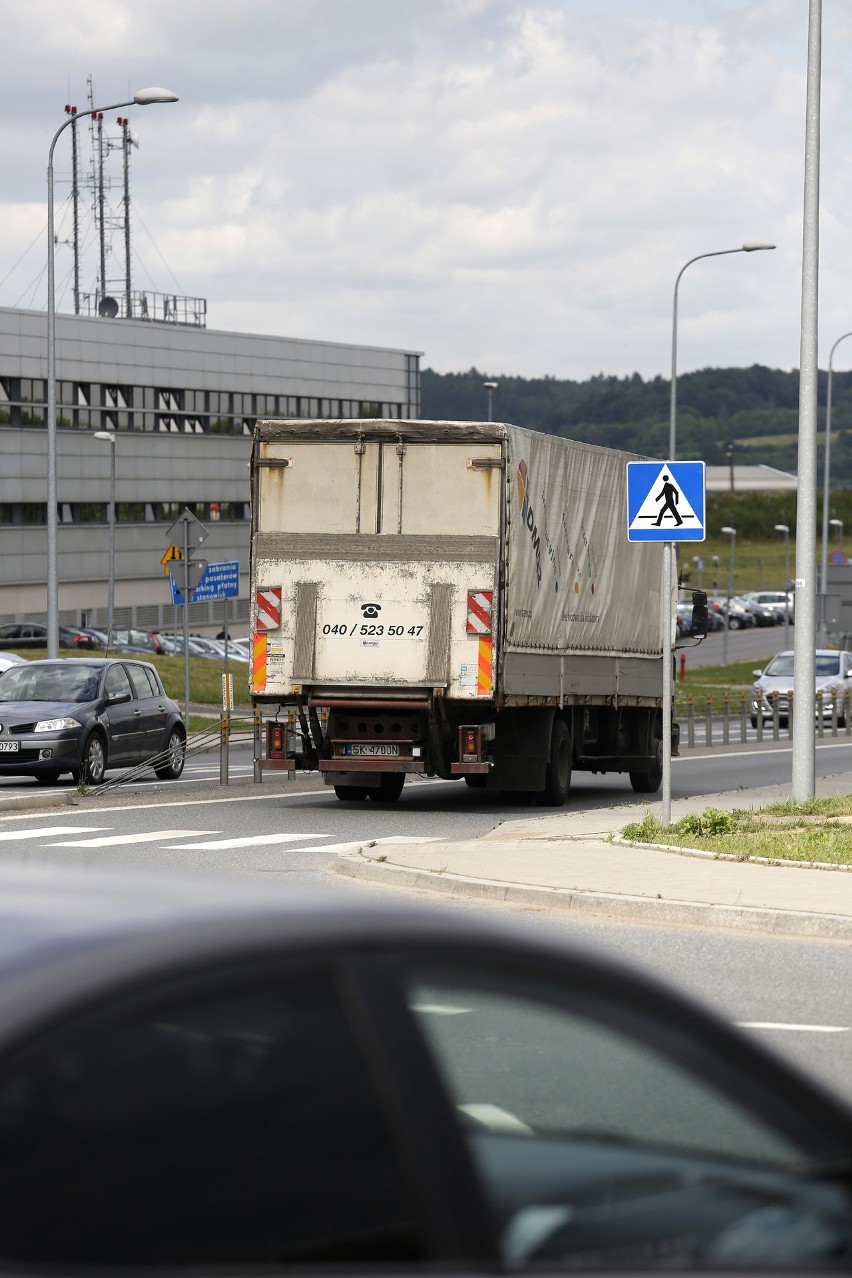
(456, 599)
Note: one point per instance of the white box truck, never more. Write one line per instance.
(454, 599)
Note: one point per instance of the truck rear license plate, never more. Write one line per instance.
(8, 747)
(372, 748)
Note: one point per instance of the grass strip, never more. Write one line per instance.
(816, 831)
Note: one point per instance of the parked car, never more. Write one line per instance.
(135, 640)
(833, 671)
(738, 617)
(33, 634)
(224, 1078)
(86, 716)
(777, 599)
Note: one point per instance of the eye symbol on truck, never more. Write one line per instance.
(370, 610)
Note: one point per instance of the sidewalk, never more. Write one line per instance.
(569, 862)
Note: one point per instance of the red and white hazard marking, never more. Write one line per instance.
(269, 608)
(479, 612)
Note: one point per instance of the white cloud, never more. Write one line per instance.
(507, 183)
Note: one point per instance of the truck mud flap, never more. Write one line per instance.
(521, 747)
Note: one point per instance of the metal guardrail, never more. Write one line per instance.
(832, 721)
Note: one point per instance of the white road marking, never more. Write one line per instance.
(439, 1009)
(118, 840)
(252, 841)
(49, 831)
(801, 1029)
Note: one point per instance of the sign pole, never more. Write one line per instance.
(186, 620)
(667, 682)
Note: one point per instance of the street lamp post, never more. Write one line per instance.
(145, 97)
(826, 491)
(732, 533)
(784, 528)
(108, 437)
(491, 388)
(744, 248)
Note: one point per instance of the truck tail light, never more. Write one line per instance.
(276, 740)
(470, 744)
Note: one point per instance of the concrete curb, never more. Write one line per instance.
(31, 803)
(627, 909)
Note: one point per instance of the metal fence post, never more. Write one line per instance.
(776, 719)
(224, 742)
(743, 732)
(708, 720)
(726, 717)
(690, 719)
(790, 714)
(820, 723)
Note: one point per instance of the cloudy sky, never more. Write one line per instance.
(510, 184)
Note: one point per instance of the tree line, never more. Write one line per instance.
(748, 413)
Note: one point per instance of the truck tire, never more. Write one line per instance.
(390, 788)
(649, 780)
(353, 793)
(558, 778)
(479, 780)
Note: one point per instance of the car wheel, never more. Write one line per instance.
(93, 764)
(734, 623)
(175, 757)
(354, 793)
(48, 778)
(754, 720)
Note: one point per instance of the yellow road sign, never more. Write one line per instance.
(170, 556)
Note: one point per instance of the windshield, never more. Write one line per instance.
(50, 683)
(780, 667)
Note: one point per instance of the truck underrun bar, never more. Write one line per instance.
(367, 703)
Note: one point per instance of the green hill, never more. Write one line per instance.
(754, 408)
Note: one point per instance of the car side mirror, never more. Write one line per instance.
(699, 614)
(117, 698)
(757, 673)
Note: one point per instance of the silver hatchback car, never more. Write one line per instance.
(833, 672)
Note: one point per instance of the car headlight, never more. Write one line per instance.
(55, 725)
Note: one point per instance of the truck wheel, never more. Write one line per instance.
(649, 781)
(390, 789)
(478, 780)
(351, 792)
(558, 777)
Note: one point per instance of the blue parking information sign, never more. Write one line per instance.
(665, 501)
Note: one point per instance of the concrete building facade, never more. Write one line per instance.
(182, 400)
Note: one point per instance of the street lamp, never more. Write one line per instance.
(145, 97)
(784, 528)
(108, 437)
(826, 490)
(838, 523)
(744, 248)
(491, 388)
(732, 533)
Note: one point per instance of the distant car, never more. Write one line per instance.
(86, 716)
(222, 1078)
(738, 617)
(135, 640)
(833, 671)
(33, 634)
(776, 599)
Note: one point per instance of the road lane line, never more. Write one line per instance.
(251, 841)
(801, 1029)
(118, 840)
(49, 831)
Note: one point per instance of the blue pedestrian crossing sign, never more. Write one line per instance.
(665, 501)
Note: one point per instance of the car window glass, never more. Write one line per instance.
(141, 686)
(152, 681)
(598, 1149)
(237, 1128)
(117, 683)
